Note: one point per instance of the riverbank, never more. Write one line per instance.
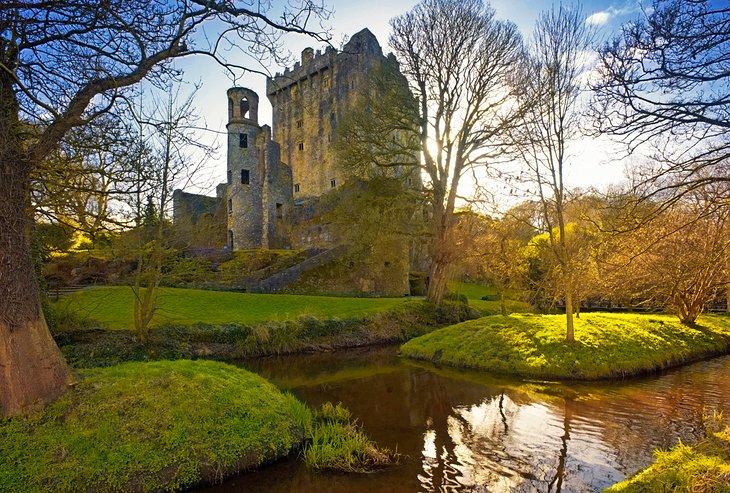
(606, 346)
(703, 467)
(86, 347)
(151, 427)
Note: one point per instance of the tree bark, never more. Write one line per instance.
(32, 369)
(569, 329)
(438, 277)
(440, 255)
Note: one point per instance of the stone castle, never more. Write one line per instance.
(275, 176)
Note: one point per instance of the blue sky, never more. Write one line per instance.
(591, 166)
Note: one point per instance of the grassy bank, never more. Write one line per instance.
(476, 294)
(112, 307)
(700, 468)
(89, 348)
(607, 345)
(151, 427)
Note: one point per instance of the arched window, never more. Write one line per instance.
(244, 107)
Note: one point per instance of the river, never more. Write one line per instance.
(467, 431)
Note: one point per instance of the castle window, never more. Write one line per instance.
(279, 211)
(333, 183)
(243, 140)
(230, 206)
(300, 123)
(230, 177)
(230, 239)
(230, 109)
(245, 178)
(301, 146)
(244, 107)
(296, 188)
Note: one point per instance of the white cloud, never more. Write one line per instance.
(599, 18)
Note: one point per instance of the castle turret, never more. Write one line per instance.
(258, 187)
(243, 105)
(245, 176)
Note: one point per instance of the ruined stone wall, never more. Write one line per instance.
(199, 220)
(309, 100)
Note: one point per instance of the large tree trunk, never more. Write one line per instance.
(438, 277)
(438, 274)
(32, 369)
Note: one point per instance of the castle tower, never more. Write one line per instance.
(258, 190)
(244, 174)
(310, 99)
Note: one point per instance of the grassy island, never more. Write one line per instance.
(607, 345)
(151, 427)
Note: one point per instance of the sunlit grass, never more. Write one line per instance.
(700, 468)
(607, 345)
(475, 292)
(112, 306)
(162, 426)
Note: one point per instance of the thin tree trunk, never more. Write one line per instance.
(32, 369)
(569, 329)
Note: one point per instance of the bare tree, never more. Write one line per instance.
(85, 181)
(550, 102)
(459, 61)
(62, 64)
(678, 260)
(177, 156)
(664, 81)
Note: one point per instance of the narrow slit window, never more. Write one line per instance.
(243, 141)
(245, 177)
(333, 183)
(296, 188)
(301, 146)
(230, 206)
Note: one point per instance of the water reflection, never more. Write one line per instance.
(464, 431)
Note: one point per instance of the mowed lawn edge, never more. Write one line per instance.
(113, 305)
(607, 345)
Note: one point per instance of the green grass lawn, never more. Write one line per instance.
(112, 306)
(475, 292)
(607, 345)
(159, 426)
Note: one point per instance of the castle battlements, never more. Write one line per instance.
(315, 62)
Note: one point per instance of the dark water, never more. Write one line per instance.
(465, 431)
